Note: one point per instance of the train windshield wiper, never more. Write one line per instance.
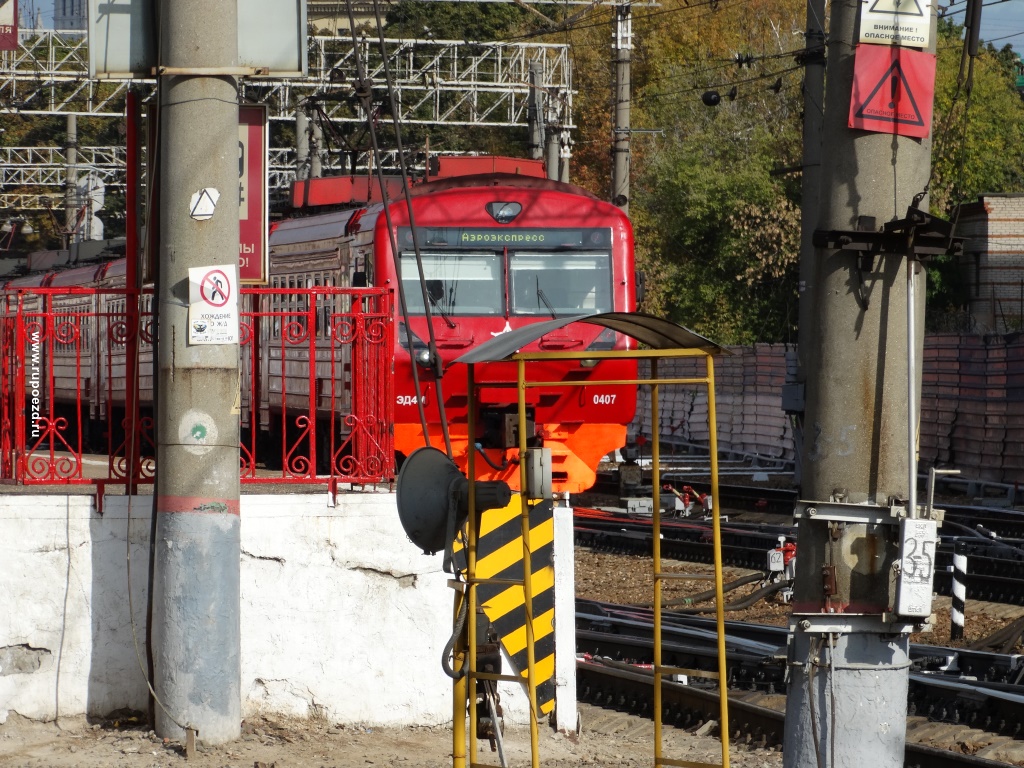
(543, 297)
(440, 310)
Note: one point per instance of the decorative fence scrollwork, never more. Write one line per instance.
(315, 386)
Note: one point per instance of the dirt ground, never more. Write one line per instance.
(608, 739)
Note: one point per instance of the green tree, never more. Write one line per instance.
(717, 231)
(978, 148)
(477, 22)
(978, 134)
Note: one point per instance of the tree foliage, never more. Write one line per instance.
(978, 132)
(717, 231)
(474, 22)
(978, 147)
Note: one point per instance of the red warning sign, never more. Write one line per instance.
(893, 90)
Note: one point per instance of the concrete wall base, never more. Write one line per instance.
(342, 618)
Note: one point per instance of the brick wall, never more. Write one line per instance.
(748, 400)
(992, 263)
(972, 404)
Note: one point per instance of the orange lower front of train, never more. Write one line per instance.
(576, 452)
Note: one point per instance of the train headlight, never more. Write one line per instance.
(422, 357)
(589, 363)
(504, 213)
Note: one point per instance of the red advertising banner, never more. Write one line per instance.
(253, 256)
(893, 90)
(8, 25)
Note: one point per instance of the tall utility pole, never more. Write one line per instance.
(196, 631)
(71, 182)
(623, 96)
(849, 658)
(535, 114)
(301, 144)
(810, 196)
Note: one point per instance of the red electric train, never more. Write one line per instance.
(498, 251)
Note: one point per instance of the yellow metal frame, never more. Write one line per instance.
(465, 654)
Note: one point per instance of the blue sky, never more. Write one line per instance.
(999, 20)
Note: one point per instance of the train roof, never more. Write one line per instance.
(45, 261)
(116, 268)
(87, 251)
(35, 280)
(325, 226)
(77, 276)
(500, 180)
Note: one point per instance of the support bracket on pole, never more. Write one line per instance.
(919, 235)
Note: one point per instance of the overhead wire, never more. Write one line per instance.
(364, 91)
(396, 119)
(964, 83)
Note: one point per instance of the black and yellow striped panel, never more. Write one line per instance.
(500, 556)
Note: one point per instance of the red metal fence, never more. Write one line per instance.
(315, 389)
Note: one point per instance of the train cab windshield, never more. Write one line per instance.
(556, 284)
(541, 284)
(464, 283)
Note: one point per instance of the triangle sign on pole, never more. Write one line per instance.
(897, 7)
(889, 103)
(893, 90)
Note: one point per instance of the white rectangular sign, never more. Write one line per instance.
(122, 37)
(918, 542)
(213, 305)
(896, 22)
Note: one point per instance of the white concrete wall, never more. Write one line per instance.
(341, 615)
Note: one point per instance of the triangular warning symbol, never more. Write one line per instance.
(897, 7)
(203, 204)
(891, 100)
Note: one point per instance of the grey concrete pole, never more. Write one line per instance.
(847, 701)
(551, 159)
(301, 144)
(535, 114)
(196, 631)
(564, 155)
(316, 151)
(71, 181)
(623, 98)
(814, 106)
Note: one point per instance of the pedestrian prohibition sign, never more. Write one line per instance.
(893, 90)
(215, 288)
(213, 305)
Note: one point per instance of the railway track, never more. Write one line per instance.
(996, 571)
(616, 645)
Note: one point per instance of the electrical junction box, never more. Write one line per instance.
(918, 542)
(793, 398)
(640, 507)
(538, 473)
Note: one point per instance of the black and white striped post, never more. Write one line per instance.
(957, 607)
